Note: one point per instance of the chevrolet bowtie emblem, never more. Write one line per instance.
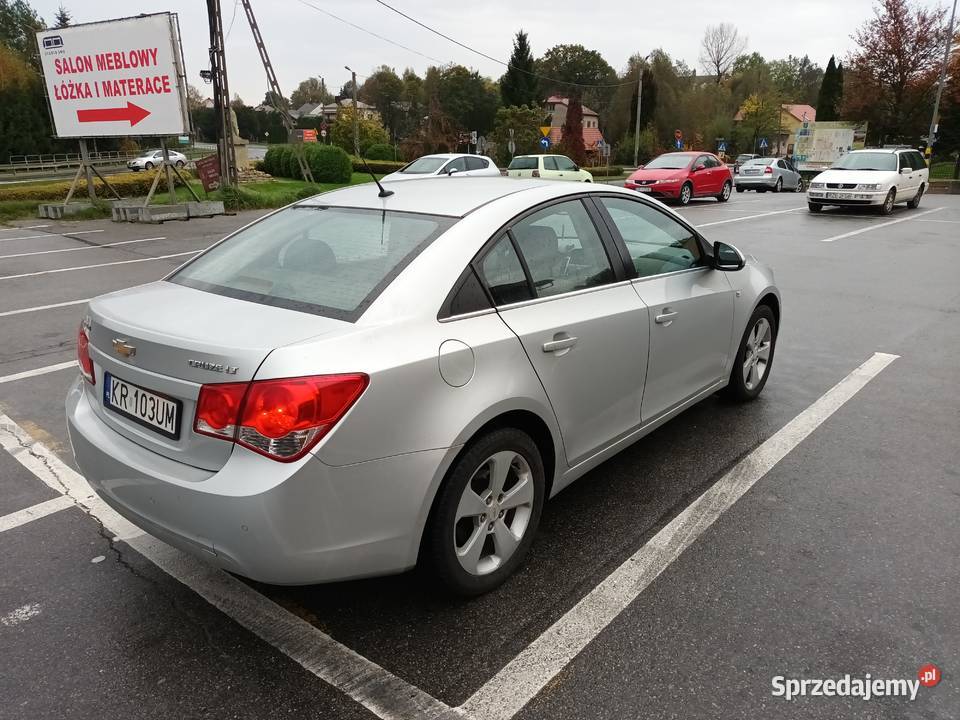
(124, 348)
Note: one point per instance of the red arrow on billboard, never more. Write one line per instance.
(133, 113)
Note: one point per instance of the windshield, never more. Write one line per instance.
(523, 163)
(324, 260)
(669, 162)
(867, 161)
(424, 165)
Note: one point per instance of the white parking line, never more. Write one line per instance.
(527, 674)
(76, 249)
(99, 265)
(37, 371)
(34, 512)
(28, 227)
(20, 311)
(65, 236)
(880, 225)
(749, 217)
(364, 681)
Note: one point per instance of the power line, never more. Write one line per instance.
(493, 59)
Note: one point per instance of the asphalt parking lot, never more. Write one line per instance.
(827, 544)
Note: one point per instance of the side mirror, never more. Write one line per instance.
(727, 257)
(451, 171)
(576, 167)
(700, 167)
(906, 171)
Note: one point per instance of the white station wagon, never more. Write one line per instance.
(878, 178)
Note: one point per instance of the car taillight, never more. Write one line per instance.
(83, 355)
(535, 173)
(768, 170)
(281, 419)
(503, 172)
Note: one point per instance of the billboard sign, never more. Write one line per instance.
(115, 78)
(208, 169)
(820, 144)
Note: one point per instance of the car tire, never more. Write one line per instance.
(814, 207)
(915, 203)
(685, 194)
(779, 185)
(799, 188)
(148, 166)
(888, 203)
(740, 189)
(754, 359)
(180, 163)
(448, 537)
(725, 192)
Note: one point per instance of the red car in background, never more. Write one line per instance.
(682, 176)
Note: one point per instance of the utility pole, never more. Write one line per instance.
(356, 112)
(221, 96)
(636, 126)
(935, 120)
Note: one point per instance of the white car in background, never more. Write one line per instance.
(878, 178)
(154, 158)
(547, 167)
(444, 164)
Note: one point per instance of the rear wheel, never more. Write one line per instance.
(779, 186)
(740, 189)
(800, 185)
(915, 203)
(814, 207)
(686, 193)
(887, 207)
(725, 192)
(751, 368)
(486, 513)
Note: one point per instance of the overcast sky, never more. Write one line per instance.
(303, 41)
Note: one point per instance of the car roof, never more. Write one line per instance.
(448, 156)
(452, 196)
(540, 155)
(883, 150)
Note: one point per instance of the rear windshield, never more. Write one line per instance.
(324, 260)
(759, 161)
(424, 165)
(523, 163)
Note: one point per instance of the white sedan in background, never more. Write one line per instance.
(154, 158)
(445, 164)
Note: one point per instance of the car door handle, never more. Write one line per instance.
(560, 343)
(666, 317)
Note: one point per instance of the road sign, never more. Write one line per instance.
(545, 130)
(114, 78)
(208, 169)
(323, 132)
(511, 147)
(722, 146)
(678, 134)
(545, 143)
(763, 143)
(473, 137)
(323, 125)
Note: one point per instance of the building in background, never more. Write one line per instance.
(556, 108)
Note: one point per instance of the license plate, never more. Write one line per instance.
(642, 189)
(835, 196)
(150, 409)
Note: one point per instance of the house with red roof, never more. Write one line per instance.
(556, 106)
(792, 118)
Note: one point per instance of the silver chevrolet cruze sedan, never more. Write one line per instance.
(356, 384)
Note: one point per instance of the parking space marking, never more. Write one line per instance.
(749, 217)
(378, 690)
(37, 308)
(77, 249)
(37, 371)
(949, 222)
(529, 672)
(51, 235)
(28, 227)
(34, 512)
(20, 615)
(880, 225)
(99, 265)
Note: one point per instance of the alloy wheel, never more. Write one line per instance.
(726, 191)
(685, 194)
(757, 355)
(493, 513)
(800, 185)
(779, 186)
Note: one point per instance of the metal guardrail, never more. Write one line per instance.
(26, 164)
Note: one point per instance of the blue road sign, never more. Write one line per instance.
(763, 143)
(545, 143)
(679, 142)
(721, 146)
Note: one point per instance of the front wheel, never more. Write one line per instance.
(800, 185)
(814, 207)
(486, 513)
(725, 192)
(148, 166)
(686, 193)
(887, 207)
(751, 367)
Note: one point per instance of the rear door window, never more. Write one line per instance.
(475, 163)
(565, 163)
(504, 275)
(550, 163)
(324, 260)
(459, 164)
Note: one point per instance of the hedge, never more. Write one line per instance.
(328, 163)
(127, 184)
(380, 151)
(381, 167)
(604, 171)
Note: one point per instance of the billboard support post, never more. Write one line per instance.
(88, 169)
(167, 171)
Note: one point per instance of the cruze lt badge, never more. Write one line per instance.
(213, 367)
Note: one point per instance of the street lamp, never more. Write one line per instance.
(636, 127)
(935, 120)
(356, 112)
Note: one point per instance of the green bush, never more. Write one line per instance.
(381, 167)
(328, 163)
(127, 184)
(272, 160)
(380, 151)
(604, 171)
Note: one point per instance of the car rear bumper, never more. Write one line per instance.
(847, 197)
(282, 523)
(751, 182)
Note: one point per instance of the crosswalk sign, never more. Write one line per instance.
(763, 143)
(721, 146)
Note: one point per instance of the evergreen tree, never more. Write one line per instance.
(62, 18)
(518, 86)
(571, 134)
(831, 92)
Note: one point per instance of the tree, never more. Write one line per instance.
(759, 116)
(571, 134)
(518, 86)
(271, 99)
(564, 67)
(18, 26)
(797, 80)
(312, 90)
(62, 18)
(524, 120)
(468, 99)
(371, 131)
(622, 115)
(891, 76)
(195, 99)
(384, 90)
(24, 119)
(830, 97)
(720, 46)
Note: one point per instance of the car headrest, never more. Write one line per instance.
(539, 241)
(308, 255)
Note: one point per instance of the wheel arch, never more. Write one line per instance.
(773, 302)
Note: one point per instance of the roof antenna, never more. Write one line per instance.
(383, 192)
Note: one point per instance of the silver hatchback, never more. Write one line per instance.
(774, 174)
(353, 385)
